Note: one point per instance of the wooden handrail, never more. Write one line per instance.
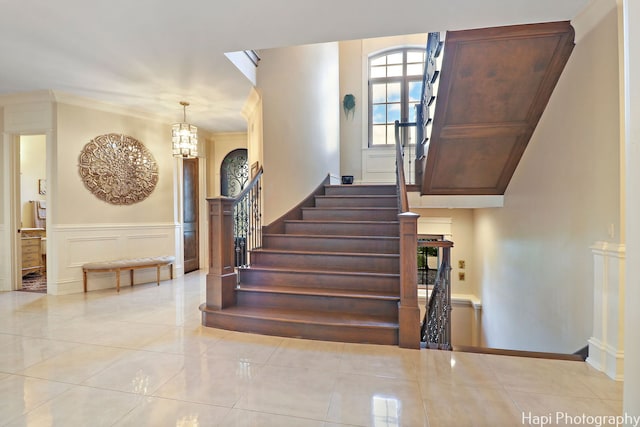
(435, 243)
(252, 183)
(400, 178)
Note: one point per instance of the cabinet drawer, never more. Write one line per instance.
(31, 249)
(31, 260)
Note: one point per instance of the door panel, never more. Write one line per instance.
(190, 215)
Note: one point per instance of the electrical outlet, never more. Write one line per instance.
(461, 264)
(461, 276)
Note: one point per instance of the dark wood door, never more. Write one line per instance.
(190, 214)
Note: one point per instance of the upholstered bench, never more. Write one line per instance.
(127, 264)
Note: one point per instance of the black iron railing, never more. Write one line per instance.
(436, 325)
(247, 221)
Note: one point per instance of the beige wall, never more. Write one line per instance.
(86, 228)
(462, 237)
(5, 190)
(252, 112)
(532, 256)
(351, 127)
(33, 167)
(301, 108)
(76, 127)
(218, 147)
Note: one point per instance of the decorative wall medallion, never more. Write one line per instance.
(118, 169)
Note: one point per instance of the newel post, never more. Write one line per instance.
(408, 310)
(222, 277)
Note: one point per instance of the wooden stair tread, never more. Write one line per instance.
(328, 221)
(324, 272)
(345, 293)
(390, 186)
(321, 253)
(310, 317)
(331, 236)
(354, 208)
(358, 196)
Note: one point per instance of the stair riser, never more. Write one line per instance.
(332, 304)
(350, 214)
(336, 244)
(371, 264)
(342, 229)
(361, 202)
(283, 328)
(360, 190)
(259, 277)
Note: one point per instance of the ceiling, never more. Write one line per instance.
(148, 55)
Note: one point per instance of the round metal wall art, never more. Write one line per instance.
(118, 169)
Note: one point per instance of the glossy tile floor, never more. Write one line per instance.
(141, 358)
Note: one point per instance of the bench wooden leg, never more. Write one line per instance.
(84, 279)
(118, 280)
(171, 271)
(131, 276)
(158, 274)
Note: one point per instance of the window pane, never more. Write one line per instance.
(393, 113)
(378, 72)
(394, 70)
(379, 61)
(378, 135)
(379, 93)
(391, 134)
(415, 56)
(415, 69)
(394, 58)
(415, 88)
(379, 113)
(393, 92)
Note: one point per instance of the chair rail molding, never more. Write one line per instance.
(606, 345)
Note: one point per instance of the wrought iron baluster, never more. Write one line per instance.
(247, 221)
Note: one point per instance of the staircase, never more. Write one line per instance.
(331, 273)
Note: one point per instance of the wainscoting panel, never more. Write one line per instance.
(379, 165)
(75, 245)
(606, 345)
(5, 261)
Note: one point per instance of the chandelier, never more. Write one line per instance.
(184, 137)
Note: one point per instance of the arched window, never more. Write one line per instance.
(395, 85)
(234, 173)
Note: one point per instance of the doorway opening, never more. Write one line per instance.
(31, 194)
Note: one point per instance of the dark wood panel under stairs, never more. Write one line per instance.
(332, 275)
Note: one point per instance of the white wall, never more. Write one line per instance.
(533, 255)
(33, 158)
(301, 107)
(631, 33)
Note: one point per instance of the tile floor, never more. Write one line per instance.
(141, 358)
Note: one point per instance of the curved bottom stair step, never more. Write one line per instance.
(316, 325)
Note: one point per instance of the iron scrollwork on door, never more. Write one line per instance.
(234, 173)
